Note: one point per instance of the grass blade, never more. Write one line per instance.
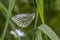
(38, 35)
(11, 4)
(40, 9)
(48, 31)
(2, 7)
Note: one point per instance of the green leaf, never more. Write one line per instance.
(3, 8)
(38, 35)
(48, 31)
(11, 5)
(40, 9)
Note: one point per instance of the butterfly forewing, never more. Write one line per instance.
(23, 20)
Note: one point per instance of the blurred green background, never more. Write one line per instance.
(51, 16)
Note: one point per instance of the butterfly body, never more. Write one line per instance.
(23, 20)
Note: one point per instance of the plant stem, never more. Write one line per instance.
(10, 22)
(41, 8)
(37, 11)
(4, 32)
(35, 25)
(2, 7)
(11, 4)
(41, 12)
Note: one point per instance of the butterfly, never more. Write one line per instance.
(24, 19)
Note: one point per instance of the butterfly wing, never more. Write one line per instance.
(23, 20)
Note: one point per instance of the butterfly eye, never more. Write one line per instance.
(23, 20)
